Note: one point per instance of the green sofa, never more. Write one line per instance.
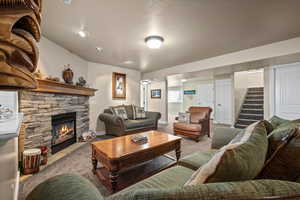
(117, 126)
(170, 183)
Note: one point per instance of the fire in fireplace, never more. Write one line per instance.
(63, 131)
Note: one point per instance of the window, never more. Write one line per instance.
(175, 96)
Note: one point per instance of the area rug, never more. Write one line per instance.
(79, 162)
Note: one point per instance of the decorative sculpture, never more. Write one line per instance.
(68, 74)
(81, 82)
(19, 33)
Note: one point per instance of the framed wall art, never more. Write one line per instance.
(156, 94)
(118, 86)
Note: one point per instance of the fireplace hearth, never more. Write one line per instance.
(63, 131)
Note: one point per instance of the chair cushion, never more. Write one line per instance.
(130, 124)
(169, 178)
(284, 160)
(196, 160)
(195, 117)
(277, 121)
(65, 187)
(242, 159)
(187, 127)
(249, 190)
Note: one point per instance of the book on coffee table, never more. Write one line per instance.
(139, 139)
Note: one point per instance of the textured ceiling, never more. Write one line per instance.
(193, 29)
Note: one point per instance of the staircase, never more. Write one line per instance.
(252, 109)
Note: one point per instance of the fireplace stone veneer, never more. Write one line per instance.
(38, 109)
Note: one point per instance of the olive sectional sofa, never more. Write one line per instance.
(245, 160)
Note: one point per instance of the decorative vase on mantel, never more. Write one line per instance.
(68, 74)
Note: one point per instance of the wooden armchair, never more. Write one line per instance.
(198, 126)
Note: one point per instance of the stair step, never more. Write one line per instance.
(241, 126)
(251, 117)
(252, 111)
(256, 89)
(246, 121)
(255, 93)
(259, 102)
(251, 114)
(253, 106)
(254, 97)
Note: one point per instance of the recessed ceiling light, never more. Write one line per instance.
(68, 2)
(128, 62)
(146, 82)
(154, 41)
(183, 80)
(82, 33)
(99, 49)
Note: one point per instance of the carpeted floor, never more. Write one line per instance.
(79, 162)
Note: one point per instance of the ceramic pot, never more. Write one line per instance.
(68, 76)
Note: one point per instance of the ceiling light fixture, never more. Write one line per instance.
(68, 2)
(154, 41)
(145, 82)
(183, 80)
(82, 33)
(128, 62)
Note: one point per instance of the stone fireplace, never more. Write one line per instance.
(46, 113)
(55, 114)
(63, 131)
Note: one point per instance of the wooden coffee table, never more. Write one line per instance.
(121, 154)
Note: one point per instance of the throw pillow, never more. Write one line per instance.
(242, 159)
(184, 117)
(138, 112)
(277, 121)
(120, 111)
(284, 151)
(269, 126)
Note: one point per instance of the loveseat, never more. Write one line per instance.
(118, 126)
(172, 183)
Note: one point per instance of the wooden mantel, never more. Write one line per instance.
(48, 86)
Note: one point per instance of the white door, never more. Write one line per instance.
(287, 104)
(223, 101)
(206, 96)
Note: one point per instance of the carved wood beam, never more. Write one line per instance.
(19, 33)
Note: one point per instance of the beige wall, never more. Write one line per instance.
(175, 107)
(192, 100)
(100, 77)
(53, 58)
(159, 105)
(283, 48)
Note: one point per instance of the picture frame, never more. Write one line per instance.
(118, 85)
(156, 94)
